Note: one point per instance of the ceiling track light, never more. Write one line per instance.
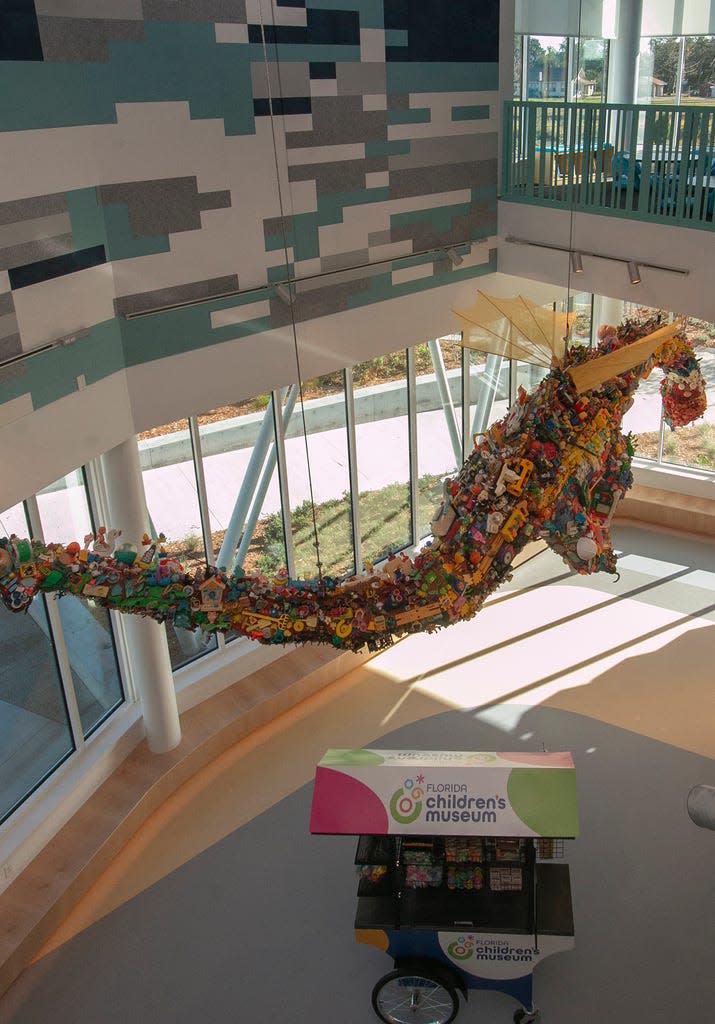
(454, 257)
(634, 266)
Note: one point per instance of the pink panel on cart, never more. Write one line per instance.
(343, 805)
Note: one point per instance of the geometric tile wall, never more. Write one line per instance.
(207, 149)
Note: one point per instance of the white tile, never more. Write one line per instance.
(239, 314)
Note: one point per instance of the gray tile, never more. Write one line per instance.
(194, 292)
(34, 229)
(398, 101)
(11, 372)
(6, 304)
(354, 79)
(32, 252)
(37, 206)
(159, 207)
(479, 222)
(8, 325)
(340, 119)
(223, 11)
(219, 200)
(316, 303)
(379, 237)
(277, 225)
(344, 259)
(84, 39)
(291, 78)
(331, 177)
(450, 149)
(121, 9)
(10, 345)
(420, 181)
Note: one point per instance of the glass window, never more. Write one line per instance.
(316, 449)
(547, 67)
(591, 73)
(383, 455)
(172, 499)
(698, 81)
(489, 383)
(86, 627)
(242, 488)
(694, 445)
(439, 432)
(35, 735)
(658, 69)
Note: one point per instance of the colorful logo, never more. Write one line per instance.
(406, 802)
(462, 949)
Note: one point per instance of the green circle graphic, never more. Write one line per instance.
(545, 800)
(404, 819)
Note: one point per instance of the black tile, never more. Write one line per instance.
(282, 105)
(19, 32)
(322, 69)
(460, 30)
(341, 28)
(56, 266)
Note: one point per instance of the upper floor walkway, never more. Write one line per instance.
(652, 163)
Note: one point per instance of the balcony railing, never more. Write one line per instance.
(654, 163)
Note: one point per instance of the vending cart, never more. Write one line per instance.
(459, 873)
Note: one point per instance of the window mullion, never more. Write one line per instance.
(412, 444)
(353, 467)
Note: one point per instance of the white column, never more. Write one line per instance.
(623, 54)
(606, 311)
(146, 641)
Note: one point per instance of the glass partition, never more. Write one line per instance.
(438, 369)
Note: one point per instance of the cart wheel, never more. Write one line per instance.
(407, 996)
(523, 1016)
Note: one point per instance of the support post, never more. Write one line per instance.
(146, 640)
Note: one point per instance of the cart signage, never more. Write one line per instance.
(486, 955)
(382, 792)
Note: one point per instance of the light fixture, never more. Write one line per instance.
(576, 263)
(634, 272)
(284, 293)
(454, 257)
(634, 266)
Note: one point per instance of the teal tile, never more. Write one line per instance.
(396, 37)
(53, 375)
(173, 62)
(448, 76)
(477, 112)
(86, 218)
(397, 148)
(121, 244)
(416, 115)
(440, 217)
(279, 273)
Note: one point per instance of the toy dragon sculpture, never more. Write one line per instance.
(553, 468)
